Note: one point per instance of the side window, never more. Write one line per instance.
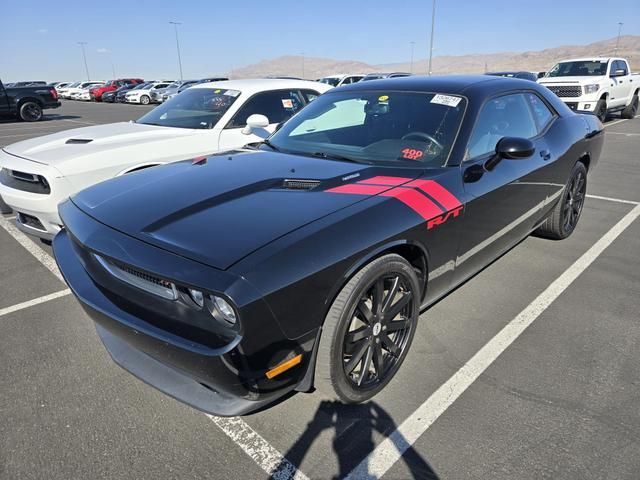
(310, 95)
(506, 116)
(277, 106)
(541, 112)
(620, 65)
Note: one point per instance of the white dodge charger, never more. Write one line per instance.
(37, 174)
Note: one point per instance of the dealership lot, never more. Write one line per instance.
(560, 401)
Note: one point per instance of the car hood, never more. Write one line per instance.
(84, 144)
(219, 211)
(571, 80)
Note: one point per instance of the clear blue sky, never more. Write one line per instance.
(39, 37)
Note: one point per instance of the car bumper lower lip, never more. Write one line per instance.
(199, 375)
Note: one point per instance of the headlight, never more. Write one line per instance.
(222, 309)
(593, 88)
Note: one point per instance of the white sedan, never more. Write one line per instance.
(39, 173)
(74, 92)
(144, 95)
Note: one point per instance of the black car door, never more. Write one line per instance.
(504, 203)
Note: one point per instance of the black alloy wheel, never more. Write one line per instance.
(574, 201)
(564, 217)
(30, 112)
(368, 330)
(378, 332)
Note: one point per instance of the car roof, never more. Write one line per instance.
(467, 85)
(590, 59)
(251, 85)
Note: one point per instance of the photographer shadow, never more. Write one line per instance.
(354, 428)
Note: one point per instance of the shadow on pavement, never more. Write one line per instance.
(353, 428)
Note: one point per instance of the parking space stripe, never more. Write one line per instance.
(35, 301)
(378, 462)
(616, 200)
(256, 447)
(43, 257)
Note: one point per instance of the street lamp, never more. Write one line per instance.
(84, 56)
(433, 24)
(618, 40)
(175, 27)
(413, 44)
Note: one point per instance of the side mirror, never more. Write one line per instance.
(255, 122)
(619, 73)
(541, 74)
(511, 148)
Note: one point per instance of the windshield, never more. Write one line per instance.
(377, 127)
(333, 81)
(582, 68)
(194, 108)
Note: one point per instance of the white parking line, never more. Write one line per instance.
(43, 257)
(261, 451)
(378, 462)
(77, 121)
(616, 200)
(35, 301)
(619, 121)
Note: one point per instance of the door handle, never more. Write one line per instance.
(545, 154)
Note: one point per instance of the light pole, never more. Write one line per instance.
(618, 40)
(84, 56)
(433, 24)
(413, 44)
(175, 27)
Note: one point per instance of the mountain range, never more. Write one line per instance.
(541, 60)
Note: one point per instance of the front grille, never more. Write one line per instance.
(295, 184)
(26, 182)
(30, 221)
(137, 278)
(568, 91)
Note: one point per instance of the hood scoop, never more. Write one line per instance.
(78, 141)
(299, 184)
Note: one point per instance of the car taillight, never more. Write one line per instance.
(54, 93)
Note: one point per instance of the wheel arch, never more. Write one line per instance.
(23, 100)
(413, 252)
(585, 159)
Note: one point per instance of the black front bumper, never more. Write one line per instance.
(167, 344)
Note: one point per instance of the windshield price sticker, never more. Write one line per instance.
(232, 93)
(287, 103)
(447, 100)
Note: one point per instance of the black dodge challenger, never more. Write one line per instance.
(304, 262)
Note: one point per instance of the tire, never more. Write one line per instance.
(30, 111)
(631, 110)
(601, 110)
(145, 100)
(565, 216)
(4, 208)
(356, 331)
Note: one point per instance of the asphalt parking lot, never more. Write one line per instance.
(529, 370)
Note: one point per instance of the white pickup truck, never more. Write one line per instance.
(600, 85)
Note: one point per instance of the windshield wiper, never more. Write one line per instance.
(268, 143)
(334, 156)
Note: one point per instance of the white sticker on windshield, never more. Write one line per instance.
(287, 103)
(232, 93)
(447, 100)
